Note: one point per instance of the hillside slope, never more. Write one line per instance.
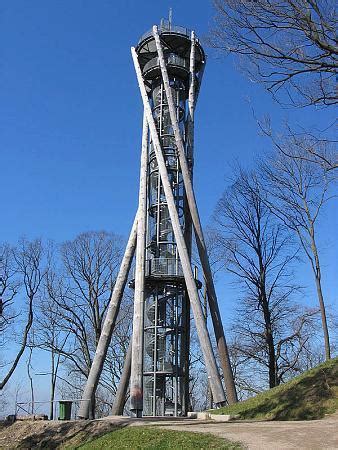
(308, 396)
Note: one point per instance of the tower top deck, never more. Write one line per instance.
(176, 42)
(166, 26)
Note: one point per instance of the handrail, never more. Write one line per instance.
(170, 59)
(164, 266)
(167, 28)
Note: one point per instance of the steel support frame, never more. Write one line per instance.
(204, 338)
(200, 241)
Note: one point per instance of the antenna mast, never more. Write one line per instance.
(170, 17)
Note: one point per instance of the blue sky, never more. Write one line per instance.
(71, 120)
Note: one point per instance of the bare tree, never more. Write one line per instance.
(30, 377)
(297, 190)
(288, 45)
(293, 327)
(50, 337)
(270, 329)
(79, 294)
(312, 147)
(4, 402)
(9, 287)
(22, 267)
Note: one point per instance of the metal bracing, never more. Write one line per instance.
(166, 351)
(202, 331)
(136, 378)
(109, 324)
(212, 297)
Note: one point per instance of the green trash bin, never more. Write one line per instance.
(65, 409)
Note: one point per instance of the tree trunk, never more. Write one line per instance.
(31, 385)
(323, 315)
(263, 300)
(268, 334)
(23, 345)
(317, 274)
(52, 394)
(52, 389)
(270, 345)
(272, 359)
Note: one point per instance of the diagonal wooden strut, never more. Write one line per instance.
(185, 335)
(121, 393)
(212, 297)
(204, 338)
(191, 98)
(136, 378)
(108, 326)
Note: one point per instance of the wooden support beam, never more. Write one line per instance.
(191, 98)
(121, 393)
(108, 326)
(136, 377)
(185, 339)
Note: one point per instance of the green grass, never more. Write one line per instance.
(308, 396)
(140, 437)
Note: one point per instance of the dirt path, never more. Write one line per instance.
(315, 434)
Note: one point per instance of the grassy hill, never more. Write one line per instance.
(308, 396)
(157, 439)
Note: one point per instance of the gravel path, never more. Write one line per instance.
(283, 435)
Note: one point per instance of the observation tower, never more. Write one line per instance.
(167, 310)
(169, 63)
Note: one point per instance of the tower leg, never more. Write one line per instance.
(108, 326)
(185, 347)
(202, 331)
(212, 298)
(191, 100)
(188, 233)
(120, 397)
(136, 377)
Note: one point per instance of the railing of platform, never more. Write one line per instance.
(170, 59)
(164, 266)
(166, 27)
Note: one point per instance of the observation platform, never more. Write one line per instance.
(166, 269)
(176, 42)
